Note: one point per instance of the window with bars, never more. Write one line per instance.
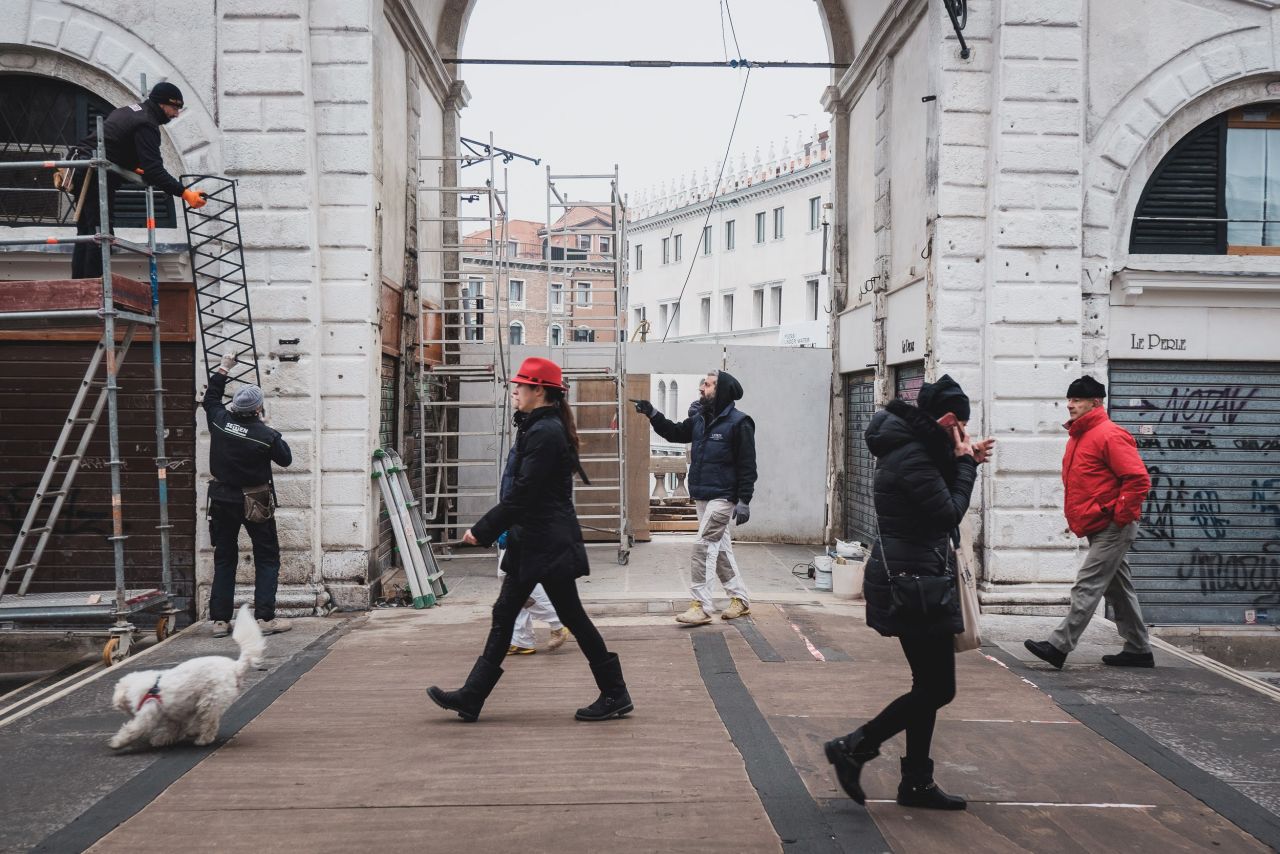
(40, 118)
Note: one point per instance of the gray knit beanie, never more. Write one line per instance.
(248, 399)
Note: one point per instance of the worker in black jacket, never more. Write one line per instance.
(241, 451)
(722, 480)
(132, 143)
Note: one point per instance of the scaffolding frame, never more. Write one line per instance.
(602, 515)
(123, 603)
(463, 401)
(469, 381)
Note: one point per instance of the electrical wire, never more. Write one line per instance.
(732, 29)
(711, 202)
(724, 45)
(650, 63)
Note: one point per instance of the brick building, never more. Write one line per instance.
(573, 299)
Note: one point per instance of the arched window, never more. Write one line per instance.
(1218, 191)
(515, 333)
(673, 397)
(556, 335)
(40, 118)
(662, 392)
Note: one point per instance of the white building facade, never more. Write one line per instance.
(1091, 190)
(752, 270)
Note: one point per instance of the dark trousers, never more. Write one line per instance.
(933, 685)
(225, 519)
(86, 258)
(564, 596)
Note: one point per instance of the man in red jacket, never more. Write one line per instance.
(1105, 484)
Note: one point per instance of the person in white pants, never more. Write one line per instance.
(538, 607)
(722, 480)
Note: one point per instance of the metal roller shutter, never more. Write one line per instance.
(907, 380)
(859, 465)
(38, 381)
(1209, 432)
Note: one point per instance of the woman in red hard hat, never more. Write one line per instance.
(544, 544)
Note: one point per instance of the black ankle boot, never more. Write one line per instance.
(917, 788)
(469, 699)
(614, 701)
(848, 754)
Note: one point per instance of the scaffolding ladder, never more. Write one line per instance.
(586, 253)
(218, 272)
(462, 404)
(78, 428)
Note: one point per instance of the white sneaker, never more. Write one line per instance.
(274, 627)
(221, 628)
(695, 616)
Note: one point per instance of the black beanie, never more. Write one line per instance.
(1087, 388)
(942, 397)
(165, 92)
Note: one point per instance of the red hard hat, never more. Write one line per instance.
(535, 371)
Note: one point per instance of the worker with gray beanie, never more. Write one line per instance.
(132, 142)
(241, 451)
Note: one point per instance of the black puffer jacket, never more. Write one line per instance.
(922, 491)
(544, 540)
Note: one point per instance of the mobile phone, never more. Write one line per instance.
(948, 421)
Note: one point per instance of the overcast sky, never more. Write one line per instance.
(656, 124)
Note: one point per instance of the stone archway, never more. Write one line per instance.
(1230, 70)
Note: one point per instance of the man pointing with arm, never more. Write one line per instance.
(722, 480)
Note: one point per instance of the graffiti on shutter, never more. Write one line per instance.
(907, 380)
(1209, 546)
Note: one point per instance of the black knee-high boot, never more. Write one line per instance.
(848, 754)
(469, 699)
(917, 788)
(614, 701)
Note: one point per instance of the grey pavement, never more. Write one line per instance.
(1208, 736)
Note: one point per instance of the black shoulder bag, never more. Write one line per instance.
(926, 598)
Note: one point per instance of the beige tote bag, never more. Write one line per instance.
(971, 637)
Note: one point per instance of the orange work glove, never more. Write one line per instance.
(194, 198)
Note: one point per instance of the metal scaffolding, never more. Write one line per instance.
(585, 249)
(464, 407)
(58, 610)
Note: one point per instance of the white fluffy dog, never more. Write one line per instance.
(188, 701)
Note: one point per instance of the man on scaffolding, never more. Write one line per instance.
(132, 143)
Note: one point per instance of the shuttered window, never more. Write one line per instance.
(1183, 206)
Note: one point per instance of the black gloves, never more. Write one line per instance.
(741, 513)
(644, 407)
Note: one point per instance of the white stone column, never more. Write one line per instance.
(1034, 308)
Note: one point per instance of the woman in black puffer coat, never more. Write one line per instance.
(924, 477)
(544, 545)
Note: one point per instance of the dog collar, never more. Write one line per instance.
(152, 694)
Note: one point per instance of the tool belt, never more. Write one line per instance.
(257, 503)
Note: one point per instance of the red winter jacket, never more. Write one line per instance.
(1105, 478)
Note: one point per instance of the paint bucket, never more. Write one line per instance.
(846, 579)
(822, 572)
